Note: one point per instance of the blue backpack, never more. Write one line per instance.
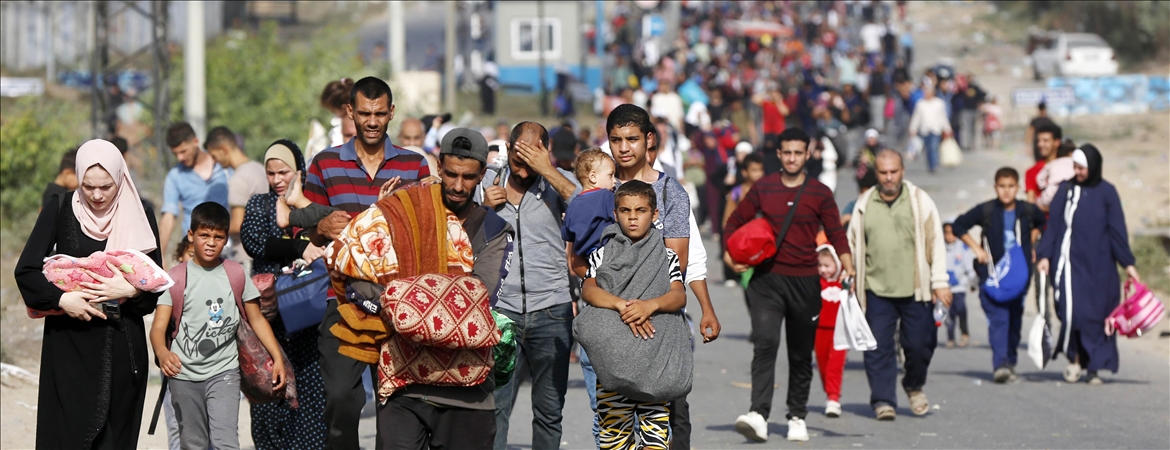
(1007, 279)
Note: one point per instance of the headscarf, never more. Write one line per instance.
(123, 225)
(1090, 157)
(287, 152)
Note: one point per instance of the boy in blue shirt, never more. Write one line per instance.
(1009, 226)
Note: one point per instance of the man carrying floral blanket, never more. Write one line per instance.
(433, 383)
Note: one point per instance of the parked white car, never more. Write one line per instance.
(1074, 55)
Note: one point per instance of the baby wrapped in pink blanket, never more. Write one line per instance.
(68, 273)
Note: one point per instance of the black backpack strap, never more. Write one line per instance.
(791, 215)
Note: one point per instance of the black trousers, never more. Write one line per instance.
(344, 394)
(680, 424)
(773, 298)
(406, 423)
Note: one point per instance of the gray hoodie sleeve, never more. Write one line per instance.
(491, 262)
(308, 216)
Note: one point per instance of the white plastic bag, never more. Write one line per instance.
(1040, 338)
(950, 155)
(914, 148)
(852, 332)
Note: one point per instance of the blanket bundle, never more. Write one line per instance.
(411, 238)
(443, 335)
(68, 273)
(652, 370)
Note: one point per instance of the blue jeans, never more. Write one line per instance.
(545, 338)
(591, 389)
(918, 336)
(930, 143)
(958, 314)
(1003, 329)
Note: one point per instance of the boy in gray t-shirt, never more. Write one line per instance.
(202, 362)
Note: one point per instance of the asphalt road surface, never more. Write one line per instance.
(1132, 410)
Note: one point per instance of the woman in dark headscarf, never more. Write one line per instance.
(276, 425)
(1085, 241)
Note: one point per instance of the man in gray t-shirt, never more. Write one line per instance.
(247, 178)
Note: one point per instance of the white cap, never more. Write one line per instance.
(743, 147)
(871, 133)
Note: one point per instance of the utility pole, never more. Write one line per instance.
(194, 80)
(51, 58)
(449, 56)
(540, 56)
(397, 40)
(99, 61)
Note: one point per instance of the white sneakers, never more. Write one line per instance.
(754, 427)
(797, 431)
(832, 409)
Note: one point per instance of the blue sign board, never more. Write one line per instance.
(653, 25)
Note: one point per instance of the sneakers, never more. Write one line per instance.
(1002, 375)
(797, 431)
(1094, 379)
(754, 427)
(1072, 373)
(730, 283)
(832, 409)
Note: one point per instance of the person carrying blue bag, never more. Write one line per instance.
(1003, 260)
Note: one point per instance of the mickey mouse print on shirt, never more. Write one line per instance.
(215, 313)
(206, 337)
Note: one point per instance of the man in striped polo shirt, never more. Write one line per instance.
(350, 177)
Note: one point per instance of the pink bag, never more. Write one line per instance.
(1137, 314)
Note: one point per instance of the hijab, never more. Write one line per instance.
(124, 225)
(1090, 157)
(287, 152)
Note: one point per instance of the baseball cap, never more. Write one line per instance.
(466, 143)
(871, 133)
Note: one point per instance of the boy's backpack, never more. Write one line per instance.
(1007, 279)
(255, 362)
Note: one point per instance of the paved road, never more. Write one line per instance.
(1041, 410)
(1132, 410)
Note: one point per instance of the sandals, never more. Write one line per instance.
(919, 405)
(885, 413)
(1072, 373)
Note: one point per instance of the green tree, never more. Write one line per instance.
(1137, 30)
(35, 133)
(266, 86)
